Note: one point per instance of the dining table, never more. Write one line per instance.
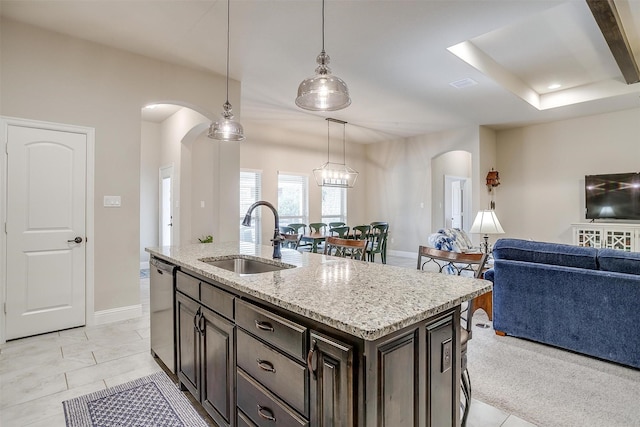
(315, 238)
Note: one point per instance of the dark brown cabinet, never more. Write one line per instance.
(331, 385)
(205, 362)
(250, 364)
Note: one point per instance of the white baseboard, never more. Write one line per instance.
(144, 265)
(116, 314)
(404, 254)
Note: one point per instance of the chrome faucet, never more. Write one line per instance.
(277, 238)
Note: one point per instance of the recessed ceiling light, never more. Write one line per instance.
(554, 86)
(462, 83)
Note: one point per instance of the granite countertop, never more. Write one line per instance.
(363, 299)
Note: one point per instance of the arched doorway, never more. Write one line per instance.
(451, 190)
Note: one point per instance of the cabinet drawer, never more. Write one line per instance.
(188, 285)
(264, 409)
(282, 333)
(216, 299)
(244, 421)
(281, 375)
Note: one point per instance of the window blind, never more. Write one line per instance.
(250, 192)
(334, 204)
(293, 202)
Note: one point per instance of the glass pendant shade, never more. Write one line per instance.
(226, 129)
(324, 91)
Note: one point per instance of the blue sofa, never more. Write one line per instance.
(581, 299)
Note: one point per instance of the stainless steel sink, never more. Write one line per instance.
(243, 265)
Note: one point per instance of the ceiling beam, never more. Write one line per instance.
(607, 18)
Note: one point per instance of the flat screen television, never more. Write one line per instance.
(612, 196)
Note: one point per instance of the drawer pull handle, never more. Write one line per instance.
(266, 413)
(265, 365)
(265, 326)
(311, 362)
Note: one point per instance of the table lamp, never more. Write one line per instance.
(486, 223)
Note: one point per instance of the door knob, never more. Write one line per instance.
(76, 240)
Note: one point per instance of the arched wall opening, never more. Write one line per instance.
(451, 189)
(204, 189)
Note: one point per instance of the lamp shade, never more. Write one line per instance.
(486, 222)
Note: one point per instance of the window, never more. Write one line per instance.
(250, 192)
(293, 203)
(334, 204)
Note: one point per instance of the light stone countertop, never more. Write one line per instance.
(363, 299)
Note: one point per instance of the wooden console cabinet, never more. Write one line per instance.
(624, 237)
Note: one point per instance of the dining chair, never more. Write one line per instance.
(471, 264)
(297, 227)
(378, 242)
(341, 231)
(318, 227)
(374, 223)
(337, 224)
(361, 232)
(285, 229)
(291, 240)
(301, 230)
(346, 248)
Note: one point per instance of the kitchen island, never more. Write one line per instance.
(323, 342)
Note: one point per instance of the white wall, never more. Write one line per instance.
(458, 164)
(542, 169)
(52, 77)
(399, 184)
(149, 165)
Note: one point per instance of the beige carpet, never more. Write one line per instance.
(548, 386)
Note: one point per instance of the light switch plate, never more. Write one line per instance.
(112, 201)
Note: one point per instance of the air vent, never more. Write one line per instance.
(461, 84)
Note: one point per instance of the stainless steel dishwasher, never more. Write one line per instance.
(162, 307)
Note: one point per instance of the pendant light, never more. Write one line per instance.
(333, 174)
(324, 91)
(226, 129)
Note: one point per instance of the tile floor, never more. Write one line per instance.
(38, 373)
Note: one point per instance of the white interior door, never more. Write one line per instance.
(46, 229)
(456, 204)
(166, 206)
(456, 201)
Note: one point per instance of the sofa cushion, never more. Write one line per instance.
(619, 261)
(546, 253)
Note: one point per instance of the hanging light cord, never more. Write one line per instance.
(344, 137)
(328, 140)
(228, 24)
(323, 25)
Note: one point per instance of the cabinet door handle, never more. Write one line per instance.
(195, 321)
(265, 365)
(266, 413)
(265, 326)
(310, 360)
(201, 323)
